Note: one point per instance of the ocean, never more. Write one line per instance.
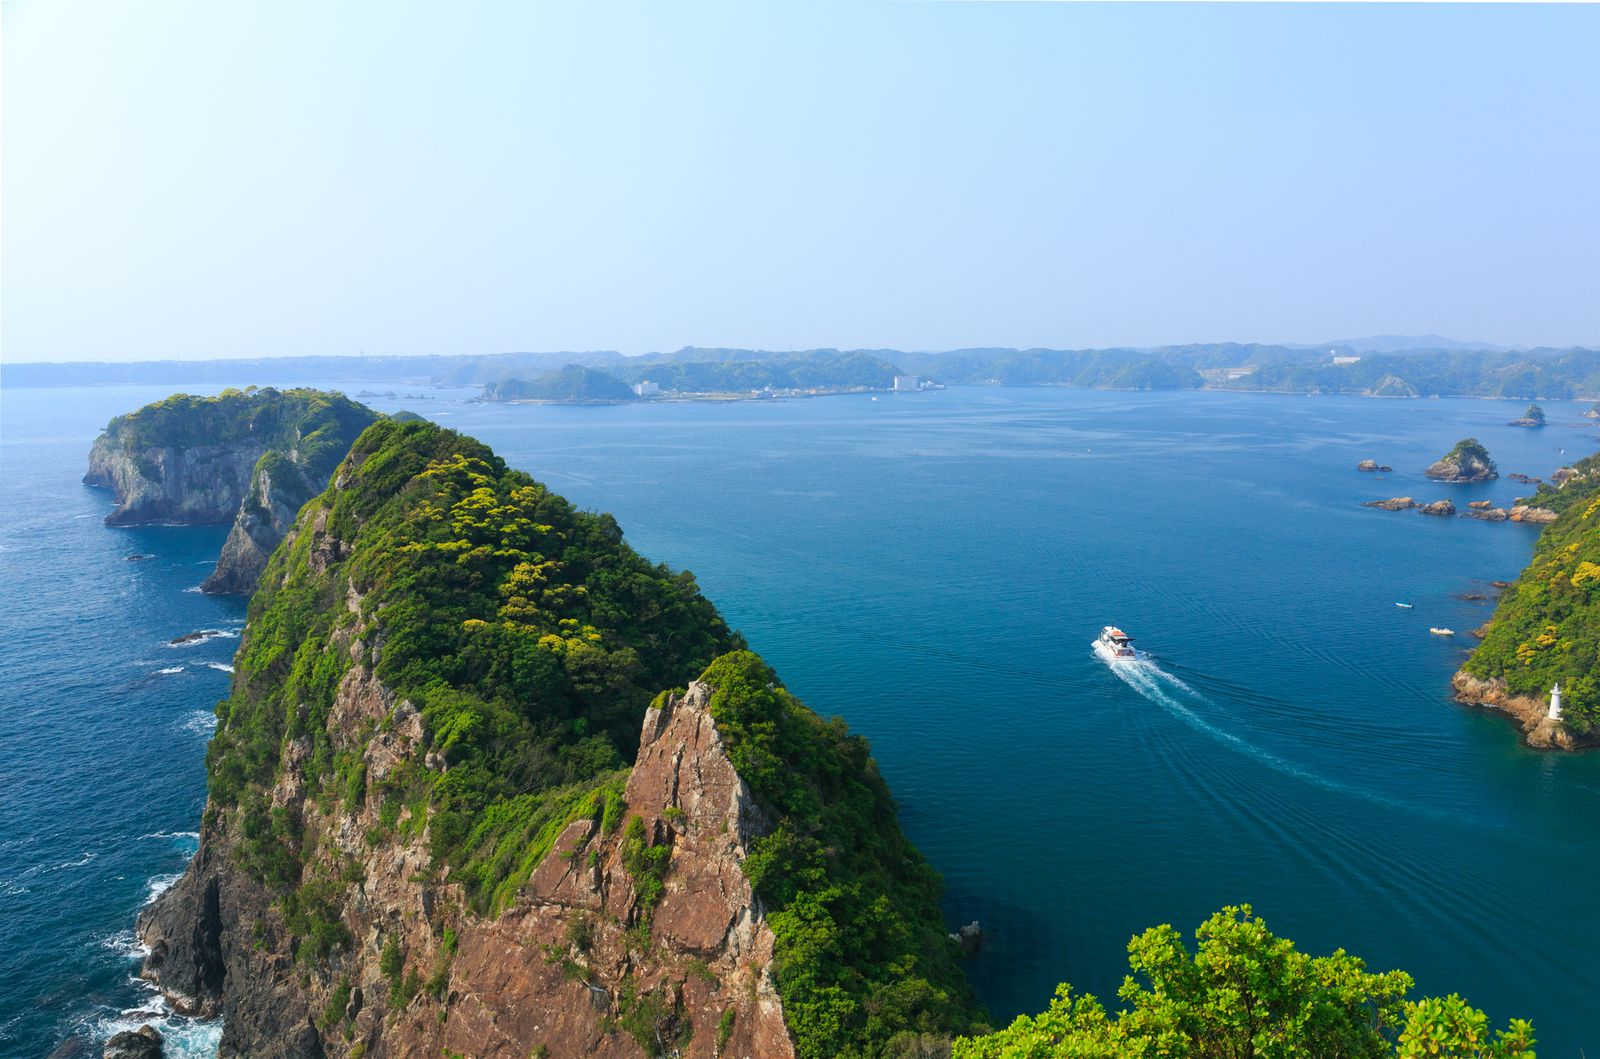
(931, 567)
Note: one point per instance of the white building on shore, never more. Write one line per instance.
(646, 388)
(907, 384)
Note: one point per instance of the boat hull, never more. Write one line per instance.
(1109, 655)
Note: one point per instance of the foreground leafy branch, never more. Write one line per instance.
(1245, 993)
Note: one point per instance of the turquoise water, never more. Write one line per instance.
(932, 567)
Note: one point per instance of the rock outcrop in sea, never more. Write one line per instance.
(1533, 417)
(1373, 465)
(423, 837)
(1468, 462)
(142, 1043)
(250, 457)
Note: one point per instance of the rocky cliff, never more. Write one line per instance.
(279, 487)
(579, 965)
(250, 457)
(422, 839)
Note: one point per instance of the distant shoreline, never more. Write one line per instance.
(693, 398)
(1359, 368)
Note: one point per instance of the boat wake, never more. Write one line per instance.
(1170, 692)
(1183, 701)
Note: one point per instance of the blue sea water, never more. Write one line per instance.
(932, 567)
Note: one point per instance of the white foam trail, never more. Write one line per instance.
(1159, 686)
(170, 670)
(193, 588)
(221, 667)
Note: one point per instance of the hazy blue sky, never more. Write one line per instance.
(205, 179)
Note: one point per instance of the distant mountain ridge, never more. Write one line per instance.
(1402, 343)
(1358, 366)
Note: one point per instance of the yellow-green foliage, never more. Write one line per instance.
(1547, 626)
(528, 634)
(318, 425)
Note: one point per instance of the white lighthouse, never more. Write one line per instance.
(1555, 703)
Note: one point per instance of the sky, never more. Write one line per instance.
(205, 180)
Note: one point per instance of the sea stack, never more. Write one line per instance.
(1468, 462)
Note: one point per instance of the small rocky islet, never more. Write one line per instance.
(1533, 418)
(1468, 461)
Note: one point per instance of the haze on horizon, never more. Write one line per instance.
(192, 180)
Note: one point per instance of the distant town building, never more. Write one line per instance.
(906, 383)
(646, 388)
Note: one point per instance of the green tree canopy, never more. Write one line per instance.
(1245, 993)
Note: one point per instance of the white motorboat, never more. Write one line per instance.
(1113, 645)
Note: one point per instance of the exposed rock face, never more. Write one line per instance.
(1480, 505)
(191, 486)
(1530, 714)
(557, 969)
(1524, 513)
(248, 457)
(1373, 465)
(1467, 462)
(1438, 507)
(1489, 514)
(1394, 503)
(278, 489)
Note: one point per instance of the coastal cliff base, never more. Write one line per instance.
(1530, 714)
